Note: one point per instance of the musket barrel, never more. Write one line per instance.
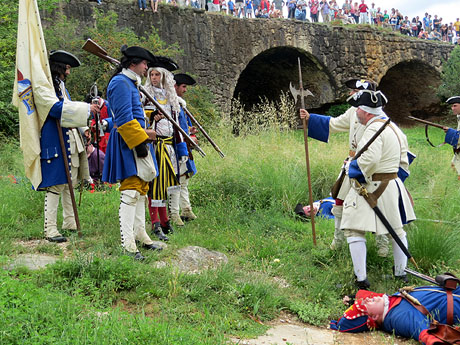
(178, 127)
(429, 123)
(421, 276)
(196, 123)
(93, 48)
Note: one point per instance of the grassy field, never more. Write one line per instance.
(245, 207)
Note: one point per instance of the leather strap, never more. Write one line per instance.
(450, 307)
(384, 176)
(428, 139)
(421, 308)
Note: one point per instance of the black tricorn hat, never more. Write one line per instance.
(164, 62)
(182, 78)
(64, 57)
(372, 99)
(453, 100)
(361, 84)
(137, 52)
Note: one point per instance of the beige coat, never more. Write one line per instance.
(386, 154)
(347, 122)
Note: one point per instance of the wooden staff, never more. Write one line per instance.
(69, 179)
(307, 158)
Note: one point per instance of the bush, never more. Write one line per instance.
(450, 71)
(9, 123)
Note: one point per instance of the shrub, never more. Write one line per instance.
(450, 71)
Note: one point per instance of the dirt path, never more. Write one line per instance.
(289, 331)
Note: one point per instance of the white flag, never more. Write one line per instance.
(33, 93)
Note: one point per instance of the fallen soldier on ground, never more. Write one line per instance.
(399, 313)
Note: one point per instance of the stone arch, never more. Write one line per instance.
(270, 72)
(410, 87)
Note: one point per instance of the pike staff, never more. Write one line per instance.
(304, 93)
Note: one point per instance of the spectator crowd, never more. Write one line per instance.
(428, 27)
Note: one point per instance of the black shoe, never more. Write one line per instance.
(136, 256)
(167, 229)
(363, 284)
(403, 278)
(152, 247)
(158, 232)
(57, 239)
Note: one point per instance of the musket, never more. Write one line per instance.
(304, 93)
(338, 183)
(447, 280)
(429, 123)
(373, 202)
(198, 125)
(421, 276)
(371, 140)
(93, 48)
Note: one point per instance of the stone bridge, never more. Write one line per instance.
(251, 58)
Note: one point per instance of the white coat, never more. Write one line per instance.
(385, 155)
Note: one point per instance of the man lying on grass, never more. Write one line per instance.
(398, 313)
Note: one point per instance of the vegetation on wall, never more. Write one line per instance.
(64, 34)
(450, 71)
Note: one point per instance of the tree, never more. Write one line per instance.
(450, 75)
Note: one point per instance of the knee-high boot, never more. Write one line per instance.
(127, 214)
(358, 253)
(339, 237)
(67, 210)
(173, 206)
(50, 211)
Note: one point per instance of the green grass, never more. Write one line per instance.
(245, 207)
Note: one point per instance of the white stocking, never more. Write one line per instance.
(358, 253)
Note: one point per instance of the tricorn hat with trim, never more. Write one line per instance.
(64, 57)
(182, 78)
(137, 52)
(164, 62)
(453, 100)
(361, 84)
(372, 99)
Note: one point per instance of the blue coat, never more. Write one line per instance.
(452, 137)
(406, 321)
(185, 123)
(125, 103)
(51, 159)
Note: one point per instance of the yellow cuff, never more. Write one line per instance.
(132, 133)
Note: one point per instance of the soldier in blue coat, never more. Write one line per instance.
(396, 315)
(181, 200)
(71, 115)
(130, 156)
(452, 135)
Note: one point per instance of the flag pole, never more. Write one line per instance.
(69, 178)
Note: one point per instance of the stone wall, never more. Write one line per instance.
(258, 57)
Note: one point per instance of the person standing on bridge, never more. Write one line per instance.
(452, 135)
(363, 17)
